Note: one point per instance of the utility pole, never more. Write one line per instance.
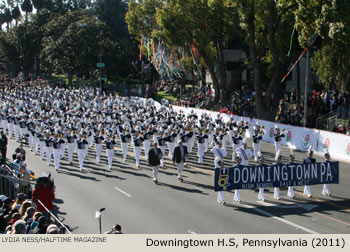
(306, 86)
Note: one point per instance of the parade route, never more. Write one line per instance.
(140, 206)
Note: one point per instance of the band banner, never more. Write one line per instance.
(283, 175)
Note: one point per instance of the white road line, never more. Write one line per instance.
(191, 232)
(280, 219)
(120, 190)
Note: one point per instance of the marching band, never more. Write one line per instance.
(51, 119)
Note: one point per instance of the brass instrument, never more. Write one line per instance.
(283, 130)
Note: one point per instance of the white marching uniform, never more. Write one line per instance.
(81, 149)
(110, 151)
(137, 149)
(278, 138)
(125, 144)
(219, 153)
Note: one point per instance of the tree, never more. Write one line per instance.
(16, 14)
(267, 24)
(27, 7)
(198, 27)
(71, 43)
(330, 21)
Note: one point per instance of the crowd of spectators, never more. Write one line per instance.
(21, 216)
(290, 111)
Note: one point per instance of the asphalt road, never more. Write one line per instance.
(142, 207)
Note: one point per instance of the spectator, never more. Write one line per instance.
(23, 209)
(44, 193)
(19, 227)
(3, 144)
(21, 197)
(41, 227)
(116, 229)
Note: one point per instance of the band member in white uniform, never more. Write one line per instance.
(219, 152)
(110, 143)
(325, 189)
(57, 151)
(236, 143)
(48, 148)
(71, 144)
(244, 153)
(98, 138)
(137, 139)
(125, 138)
(261, 189)
(278, 138)
(161, 144)
(290, 192)
(257, 138)
(308, 160)
(200, 140)
(237, 196)
(147, 142)
(219, 164)
(82, 145)
(276, 190)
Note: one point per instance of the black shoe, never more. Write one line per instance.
(155, 181)
(71, 163)
(181, 179)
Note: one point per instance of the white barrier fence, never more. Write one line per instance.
(297, 138)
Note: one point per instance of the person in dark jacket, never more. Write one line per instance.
(180, 156)
(3, 144)
(41, 227)
(154, 156)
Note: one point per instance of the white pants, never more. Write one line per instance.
(276, 192)
(125, 147)
(171, 147)
(206, 145)
(31, 142)
(4, 126)
(237, 196)
(17, 132)
(110, 153)
(22, 131)
(70, 149)
(180, 167)
(325, 190)
(234, 152)
(81, 155)
(42, 149)
(57, 158)
(146, 145)
(98, 148)
(162, 148)
(155, 172)
(35, 143)
(256, 148)
(211, 138)
(200, 153)
(63, 149)
(11, 129)
(137, 152)
(261, 194)
(277, 148)
(290, 192)
(48, 151)
(220, 198)
(307, 191)
(224, 139)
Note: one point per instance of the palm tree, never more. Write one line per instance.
(7, 18)
(27, 7)
(16, 14)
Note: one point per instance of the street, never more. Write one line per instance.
(142, 207)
